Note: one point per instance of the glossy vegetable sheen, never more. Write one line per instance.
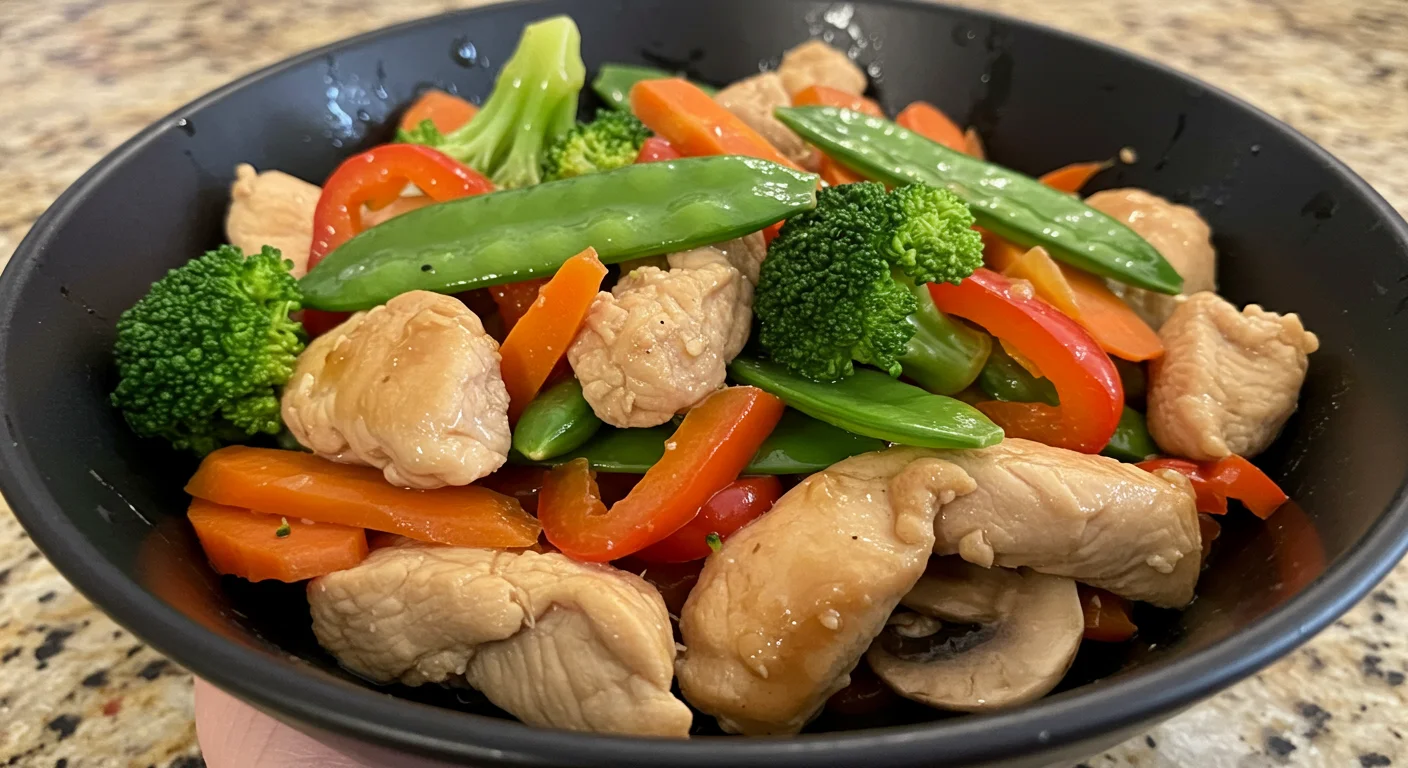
(695, 124)
(798, 445)
(1232, 477)
(1012, 205)
(639, 210)
(556, 422)
(873, 404)
(302, 485)
(248, 545)
(944, 356)
(613, 82)
(738, 504)
(1131, 441)
(707, 452)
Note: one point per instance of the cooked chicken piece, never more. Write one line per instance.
(555, 642)
(816, 63)
(783, 613)
(659, 341)
(1228, 380)
(272, 208)
(1088, 518)
(746, 254)
(411, 387)
(1177, 232)
(753, 100)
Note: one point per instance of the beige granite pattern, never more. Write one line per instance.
(80, 76)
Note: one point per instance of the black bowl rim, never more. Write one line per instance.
(343, 708)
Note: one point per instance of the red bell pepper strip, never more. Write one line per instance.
(1086, 381)
(1231, 477)
(656, 149)
(711, 446)
(738, 504)
(375, 178)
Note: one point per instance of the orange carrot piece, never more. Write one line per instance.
(825, 96)
(247, 544)
(926, 120)
(999, 253)
(540, 338)
(973, 144)
(296, 484)
(835, 174)
(1119, 330)
(445, 110)
(1038, 268)
(1106, 616)
(514, 299)
(1070, 178)
(695, 124)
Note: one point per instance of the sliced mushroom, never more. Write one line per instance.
(1004, 638)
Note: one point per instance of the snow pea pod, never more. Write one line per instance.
(1011, 205)
(1131, 441)
(873, 404)
(613, 82)
(513, 235)
(798, 445)
(556, 422)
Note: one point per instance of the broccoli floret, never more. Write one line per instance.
(533, 103)
(424, 133)
(838, 285)
(202, 357)
(610, 141)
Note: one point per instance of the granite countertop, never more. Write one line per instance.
(80, 76)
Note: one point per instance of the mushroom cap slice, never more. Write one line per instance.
(1011, 636)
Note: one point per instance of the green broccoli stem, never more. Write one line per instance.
(943, 356)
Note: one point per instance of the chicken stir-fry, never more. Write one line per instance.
(538, 373)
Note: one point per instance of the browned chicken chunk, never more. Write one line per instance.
(555, 642)
(412, 388)
(660, 341)
(1177, 232)
(784, 611)
(272, 208)
(1228, 380)
(1088, 518)
(753, 100)
(816, 63)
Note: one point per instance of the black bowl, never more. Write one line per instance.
(1296, 230)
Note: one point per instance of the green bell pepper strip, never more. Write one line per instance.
(1004, 379)
(798, 445)
(1011, 205)
(508, 236)
(943, 356)
(555, 422)
(1131, 441)
(613, 82)
(873, 404)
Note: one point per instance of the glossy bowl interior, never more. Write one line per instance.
(1296, 232)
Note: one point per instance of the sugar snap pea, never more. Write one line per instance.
(873, 404)
(798, 445)
(613, 82)
(556, 422)
(1131, 441)
(502, 237)
(1016, 207)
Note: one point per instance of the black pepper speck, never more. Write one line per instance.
(153, 669)
(53, 644)
(64, 725)
(189, 761)
(1279, 746)
(1369, 665)
(1377, 618)
(10, 654)
(61, 763)
(47, 596)
(1150, 741)
(1385, 598)
(1316, 716)
(1373, 759)
(1393, 678)
(96, 680)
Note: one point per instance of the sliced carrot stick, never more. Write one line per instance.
(445, 110)
(1070, 178)
(695, 124)
(926, 120)
(249, 545)
(973, 144)
(301, 485)
(1037, 267)
(1119, 330)
(998, 253)
(835, 174)
(825, 96)
(540, 338)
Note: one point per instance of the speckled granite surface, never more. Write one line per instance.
(79, 76)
